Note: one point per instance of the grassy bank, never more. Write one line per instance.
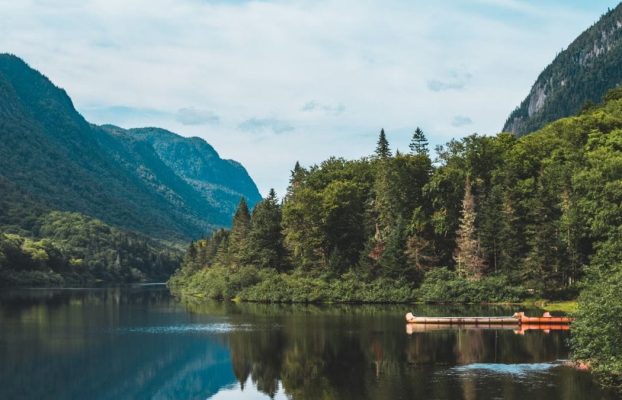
(267, 285)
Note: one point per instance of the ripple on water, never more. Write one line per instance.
(188, 328)
(505, 369)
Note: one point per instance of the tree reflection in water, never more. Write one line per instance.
(138, 343)
(362, 352)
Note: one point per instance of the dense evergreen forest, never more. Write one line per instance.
(487, 219)
(532, 213)
(71, 249)
(81, 203)
(40, 246)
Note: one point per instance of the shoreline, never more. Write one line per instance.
(566, 306)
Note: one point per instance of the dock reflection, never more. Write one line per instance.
(519, 329)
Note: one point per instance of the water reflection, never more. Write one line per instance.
(138, 343)
(79, 344)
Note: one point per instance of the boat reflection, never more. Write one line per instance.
(518, 329)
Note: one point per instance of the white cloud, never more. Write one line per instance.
(261, 125)
(193, 116)
(328, 109)
(395, 64)
(461, 120)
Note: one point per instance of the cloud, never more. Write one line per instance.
(314, 106)
(258, 125)
(439, 86)
(294, 66)
(193, 116)
(120, 115)
(461, 120)
(455, 81)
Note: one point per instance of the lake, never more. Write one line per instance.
(141, 343)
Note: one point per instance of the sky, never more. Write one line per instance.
(269, 83)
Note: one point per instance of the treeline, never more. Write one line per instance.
(488, 219)
(531, 211)
(64, 248)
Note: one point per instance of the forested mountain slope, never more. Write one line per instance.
(578, 76)
(148, 183)
(130, 179)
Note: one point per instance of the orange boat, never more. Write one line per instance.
(546, 319)
(518, 318)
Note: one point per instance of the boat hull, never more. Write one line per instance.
(516, 319)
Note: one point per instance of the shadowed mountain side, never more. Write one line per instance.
(148, 180)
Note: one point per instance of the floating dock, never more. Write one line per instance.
(518, 318)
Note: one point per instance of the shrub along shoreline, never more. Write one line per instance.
(252, 284)
(512, 219)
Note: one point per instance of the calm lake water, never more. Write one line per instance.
(141, 343)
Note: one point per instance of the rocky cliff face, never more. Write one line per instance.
(583, 73)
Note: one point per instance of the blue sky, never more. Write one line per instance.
(269, 83)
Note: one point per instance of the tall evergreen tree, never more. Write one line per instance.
(295, 180)
(264, 246)
(239, 231)
(470, 262)
(382, 148)
(419, 143)
(419, 246)
(393, 259)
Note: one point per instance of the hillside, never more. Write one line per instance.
(578, 76)
(148, 180)
(496, 218)
(147, 186)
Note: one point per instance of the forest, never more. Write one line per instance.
(487, 219)
(64, 248)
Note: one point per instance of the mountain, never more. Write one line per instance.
(148, 180)
(133, 193)
(577, 77)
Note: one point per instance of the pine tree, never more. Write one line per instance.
(393, 259)
(265, 239)
(295, 180)
(223, 255)
(239, 231)
(419, 248)
(468, 256)
(543, 263)
(382, 148)
(419, 143)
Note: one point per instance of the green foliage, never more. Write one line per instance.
(533, 213)
(264, 245)
(75, 249)
(382, 148)
(523, 217)
(239, 231)
(419, 144)
(583, 73)
(250, 283)
(442, 285)
(145, 180)
(596, 333)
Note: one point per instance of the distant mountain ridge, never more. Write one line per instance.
(579, 75)
(147, 180)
